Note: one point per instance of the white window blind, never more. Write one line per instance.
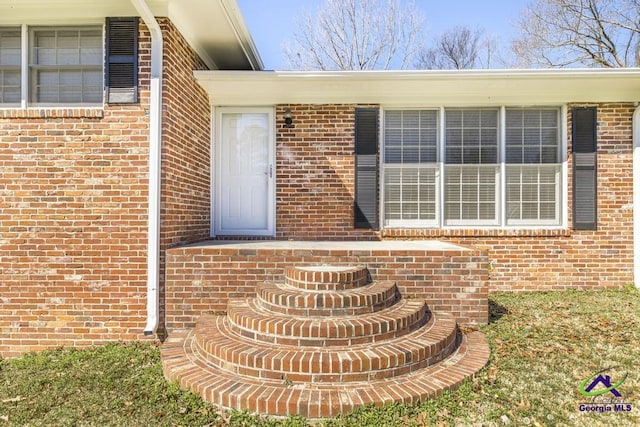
(533, 166)
(66, 65)
(470, 194)
(10, 60)
(464, 186)
(410, 167)
(471, 170)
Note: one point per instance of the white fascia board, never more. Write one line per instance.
(422, 88)
(241, 31)
(214, 28)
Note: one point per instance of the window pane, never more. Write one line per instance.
(393, 119)
(10, 48)
(410, 193)
(427, 210)
(92, 86)
(70, 86)
(10, 92)
(470, 193)
(533, 140)
(47, 94)
(91, 47)
(410, 154)
(68, 47)
(548, 211)
(471, 136)
(549, 154)
(533, 193)
(44, 45)
(10, 61)
(411, 136)
(549, 118)
(67, 65)
(532, 135)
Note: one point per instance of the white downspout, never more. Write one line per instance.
(636, 197)
(155, 130)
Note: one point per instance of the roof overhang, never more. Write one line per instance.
(423, 88)
(217, 31)
(214, 28)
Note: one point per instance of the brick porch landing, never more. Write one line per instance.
(323, 341)
(203, 277)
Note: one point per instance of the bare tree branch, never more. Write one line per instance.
(356, 35)
(561, 33)
(459, 48)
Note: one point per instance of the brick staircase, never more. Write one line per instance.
(325, 341)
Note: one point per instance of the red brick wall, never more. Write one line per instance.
(315, 199)
(73, 223)
(203, 278)
(73, 207)
(314, 174)
(186, 143)
(186, 117)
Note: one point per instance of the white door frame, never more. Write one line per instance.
(216, 172)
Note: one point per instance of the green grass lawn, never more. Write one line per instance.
(544, 345)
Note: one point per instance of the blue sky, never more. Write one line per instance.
(272, 22)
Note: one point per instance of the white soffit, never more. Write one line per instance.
(214, 28)
(422, 88)
(61, 12)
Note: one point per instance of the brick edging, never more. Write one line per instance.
(52, 113)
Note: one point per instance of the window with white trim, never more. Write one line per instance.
(63, 66)
(471, 167)
(533, 166)
(410, 167)
(449, 171)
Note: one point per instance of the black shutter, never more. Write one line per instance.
(366, 179)
(585, 178)
(121, 70)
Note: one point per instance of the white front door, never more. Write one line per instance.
(245, 175)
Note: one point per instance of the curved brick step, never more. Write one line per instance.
(327, 277)
(249, 319)
(226, 350)
(282, 298)
(182, 363)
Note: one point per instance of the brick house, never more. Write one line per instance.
(150, 171)
(82, 228)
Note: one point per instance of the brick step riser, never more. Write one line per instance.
(325, 332)
(225, 349)
(274, 295)
(303, 372)
(300, 278)
(326, 341)
(319, 400)
(326, 312)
